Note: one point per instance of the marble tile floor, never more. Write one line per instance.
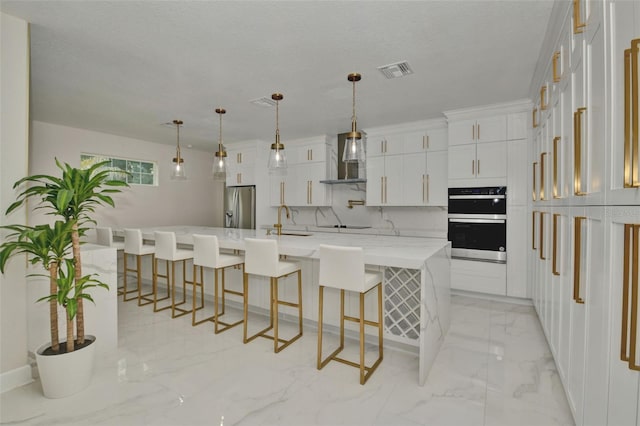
(494, 368)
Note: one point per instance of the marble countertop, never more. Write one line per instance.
(382, 250)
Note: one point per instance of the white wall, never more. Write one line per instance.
(196, 201)
(14, 116)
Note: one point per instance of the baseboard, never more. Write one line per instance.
(493, 297)
(15, 378)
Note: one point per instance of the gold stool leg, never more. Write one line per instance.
(155, 285)
(362, 338)
(145, 296)
(217, 314)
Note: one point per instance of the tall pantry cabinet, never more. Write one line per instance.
(585, 198)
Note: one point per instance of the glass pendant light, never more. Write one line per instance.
(354, 145)
(277, 158)
(220, 157)
(178, 171)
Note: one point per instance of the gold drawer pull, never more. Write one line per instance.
(543, 155)
(578, 25)
(555, 167)
(630, 285)
(556, 74)
(541, 254)
(577, 249)
(534, 191)
(554, 248)
(577, 152)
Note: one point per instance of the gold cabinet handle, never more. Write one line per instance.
(381, 189)
(473, 167)
(281, 192)
(631, 127)
(478, 164)
(543, 98)
(541, 253)
(577, 254)
(239, 177)
(309, 196)
(578, 25)
(556, 74)
(577, 152)
(478, 131)
(385, 190)
(427, 188)
(382, 146)
(630, 282)
(533, 230)
(239, 158)
(543, 156)
(534, 191)
(534, 114)
(554, 247)
(428, 145)
(556, 140)
(473, 132)
(423, 188)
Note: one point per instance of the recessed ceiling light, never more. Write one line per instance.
(395, 70)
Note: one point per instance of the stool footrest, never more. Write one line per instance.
(258, 334)
(366, 322)
(225, 325)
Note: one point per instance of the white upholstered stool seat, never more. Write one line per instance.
(133, 245)
(167, 250)
(262, 258)
(206, 254)
(104, 237)
(343, 268)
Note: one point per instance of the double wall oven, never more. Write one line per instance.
(478, 223)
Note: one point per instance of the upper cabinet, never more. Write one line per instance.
(407, 165)
(299, 184)
(241, 161)
(478, 143)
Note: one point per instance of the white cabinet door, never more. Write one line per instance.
(517, 193)
(491, 129)
(318, 193)
(430, 140)
(437, 139)
(393, 171)
(414, 189)
(491, 160)
(462, 161)
(375, 180)
(462, 132)
(436, 184)
(414, 142)
(516, 251)
(624, 377)
(517, 125)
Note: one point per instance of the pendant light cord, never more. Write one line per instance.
(277, 125)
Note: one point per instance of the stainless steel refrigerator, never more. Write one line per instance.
(240, 207)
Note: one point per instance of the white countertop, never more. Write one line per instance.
(401, 252)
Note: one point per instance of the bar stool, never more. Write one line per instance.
(206, 254)
(343, 268)
(261, 258)
(133, 246)
(104, 237)
(167, 250)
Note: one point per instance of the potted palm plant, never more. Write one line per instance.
(72, 198)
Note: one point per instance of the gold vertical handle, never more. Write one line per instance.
(424, 142)
(385, 190)
(629, 324)
(555, 167)
(473, 131)
(554, 247)
(381, 189)
(631, 113)
(577, 152)
(578, 25)
(385, 146)
(382, 146)
(428, 144)
(577, 254)
(473, 167)
(478, 167)
(239, 158)
(239, 177)
(543, 156)
(281, 192)
(533, 230)
(427, 188)
(478, 131)
(534, 116)
(541, 235)
(423, 188)
(556, 74)
(308, 192)
(534, 192)
(543, 98)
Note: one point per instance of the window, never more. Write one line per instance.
(140, 172)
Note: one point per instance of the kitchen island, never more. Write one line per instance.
(416, 279)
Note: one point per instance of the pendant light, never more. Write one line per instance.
(354, 145)
(277, 158)
(178, 172)
(220, 157)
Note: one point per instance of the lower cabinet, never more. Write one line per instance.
(584, 267)
(481, 277)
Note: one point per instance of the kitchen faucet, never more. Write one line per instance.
(278, 225)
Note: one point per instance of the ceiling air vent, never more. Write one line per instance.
(398, 69)
(265, 102)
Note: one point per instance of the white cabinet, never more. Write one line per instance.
(624, 370)
(488, 129)
(299, 184)
(241, 165)
(478, 164)
(480, 277)
(407, 167)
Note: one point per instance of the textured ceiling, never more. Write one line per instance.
(127, 67)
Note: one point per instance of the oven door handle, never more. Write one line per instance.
(478, 220)
(477, 197)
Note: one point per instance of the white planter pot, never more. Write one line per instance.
(65, 374)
